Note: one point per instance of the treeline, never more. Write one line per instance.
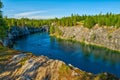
(89, 21)
(73, 20)
(109, 20)
(26, 22)
(65, 21)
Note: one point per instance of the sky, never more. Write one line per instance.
(44, 9)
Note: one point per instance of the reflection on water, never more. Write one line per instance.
(90, 51)
(89, 58)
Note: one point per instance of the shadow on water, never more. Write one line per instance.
(86, 57)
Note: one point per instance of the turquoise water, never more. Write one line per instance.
(88, 58)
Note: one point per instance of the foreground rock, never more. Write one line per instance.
(25, 66)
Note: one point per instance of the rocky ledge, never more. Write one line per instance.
(16, 65)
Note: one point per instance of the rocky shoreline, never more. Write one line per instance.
(17, 32)
(99, 36)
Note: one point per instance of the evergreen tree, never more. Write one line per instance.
(89, 22)
(108, 19)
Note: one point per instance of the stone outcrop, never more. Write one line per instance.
(105, 37)
(24, 66)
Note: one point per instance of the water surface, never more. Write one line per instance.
(88, 58)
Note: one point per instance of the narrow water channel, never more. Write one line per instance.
(88, 58)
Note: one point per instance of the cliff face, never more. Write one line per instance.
(106, 37)
(16, 65)
(16, 32)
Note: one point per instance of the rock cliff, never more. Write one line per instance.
(17, 32)
(105, 37)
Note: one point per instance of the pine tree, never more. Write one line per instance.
(89, 22)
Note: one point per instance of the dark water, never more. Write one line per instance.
(88, 58)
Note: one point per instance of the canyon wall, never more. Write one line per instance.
(105, 37)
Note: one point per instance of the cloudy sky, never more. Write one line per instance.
(42, 9)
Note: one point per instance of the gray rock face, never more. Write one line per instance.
(35, 68)
(16, 32)
(27, 67)
(106, 37)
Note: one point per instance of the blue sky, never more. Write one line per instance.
(42, 9)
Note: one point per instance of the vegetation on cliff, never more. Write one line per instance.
(89, 21)
(3, 27)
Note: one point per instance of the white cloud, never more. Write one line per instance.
(26, 14)
(40, 17)
(46, 14)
